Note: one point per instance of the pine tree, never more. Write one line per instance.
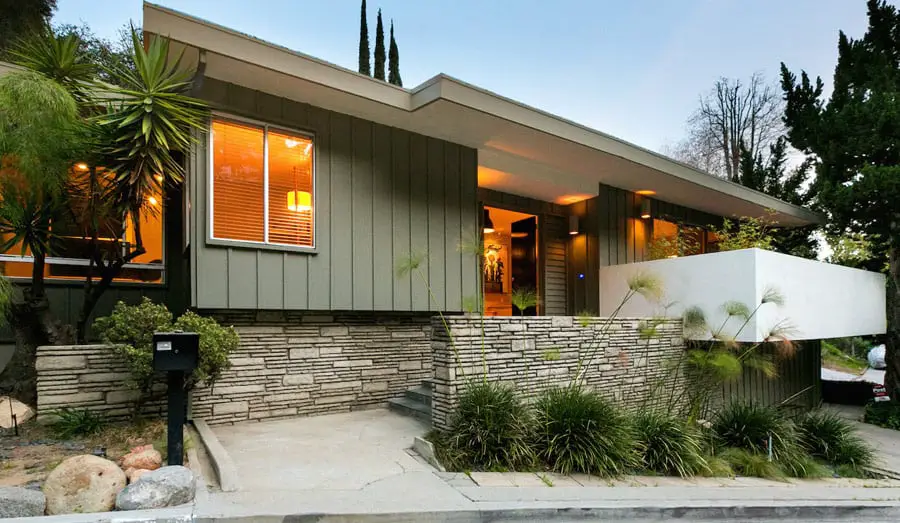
(364, 65)
(856, 137)
(394, 61)
(379, 49)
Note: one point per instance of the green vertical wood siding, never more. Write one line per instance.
(381, 193)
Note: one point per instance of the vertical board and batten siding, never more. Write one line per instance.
(552, 240)
(380, 194)
(798, 383)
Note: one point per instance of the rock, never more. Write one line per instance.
(83, 484)
(143, 457)
(17, 502)
(165, 487)
(134, 474)
(22, 412)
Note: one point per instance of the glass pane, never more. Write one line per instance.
(290, 189)
(237, 182)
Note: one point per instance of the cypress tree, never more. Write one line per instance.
(379, 49)
(394, 61)
(364, 65)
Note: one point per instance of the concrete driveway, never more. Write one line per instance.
(885, 441)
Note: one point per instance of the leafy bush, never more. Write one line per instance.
(884, 414)
(668, 445)
(490, 430)
(71, 422)
(827, 436)
(579, 431)
(129, 333)
(748, 426)
(745, 233)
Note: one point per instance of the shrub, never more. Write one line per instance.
(750, 463)
(748, 427)
(884, 414)
(579, 431)
(71, 422)
(827, 436)
(129, 332)
(668, 445)
(216, 344)
(490, 430)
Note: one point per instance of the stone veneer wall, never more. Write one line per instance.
(88, 377)
(292, 364)
(287, 365)
(537, 352)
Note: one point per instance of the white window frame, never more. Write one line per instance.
(211, 238)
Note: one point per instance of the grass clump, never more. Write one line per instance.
(827, 436)
(490, 430)
(667, 445)
(70, 423)
(884, 414)
(745, 431)
(579, 431)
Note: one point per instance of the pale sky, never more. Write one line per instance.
(631, 68)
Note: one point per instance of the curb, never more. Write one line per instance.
(221, 461)
(855, 512)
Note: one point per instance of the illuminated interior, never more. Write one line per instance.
(673, 240)
(510, 258)
(70, 255)
(239, 185)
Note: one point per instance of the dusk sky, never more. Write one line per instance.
(632, 68)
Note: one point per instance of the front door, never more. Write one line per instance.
(510, 274)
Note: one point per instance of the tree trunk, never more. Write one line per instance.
(892, 341)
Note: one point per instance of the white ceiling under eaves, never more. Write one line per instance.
(522, 150)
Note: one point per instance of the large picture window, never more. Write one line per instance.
(262, 184)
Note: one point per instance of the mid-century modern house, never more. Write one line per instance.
(313, 183)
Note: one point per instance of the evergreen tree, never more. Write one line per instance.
(18, 18)
(856, 136)
(769, 176)
(364, 65)
(394, 61)
(379, 49)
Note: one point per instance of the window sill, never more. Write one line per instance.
(259, 246)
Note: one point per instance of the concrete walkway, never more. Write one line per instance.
(356, 467)
(885, 441)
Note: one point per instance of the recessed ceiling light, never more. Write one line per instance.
(646, 192)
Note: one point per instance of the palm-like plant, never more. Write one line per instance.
(522, 298)
(58, 57)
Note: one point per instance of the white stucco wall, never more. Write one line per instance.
(821, 300)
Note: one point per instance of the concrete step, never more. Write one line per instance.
(420, 394)
(411, 408)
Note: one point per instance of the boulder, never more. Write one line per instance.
(143, 457)
(83, 484)
(18, 502)
(10, 406)
(165, 487)
(134, 474)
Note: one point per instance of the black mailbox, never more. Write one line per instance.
(175, 351)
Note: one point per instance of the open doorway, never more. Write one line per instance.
(511, 263)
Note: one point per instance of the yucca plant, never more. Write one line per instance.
(60, 58)
(579, 431)
(489, 430)
(668, 445)
(827, 436)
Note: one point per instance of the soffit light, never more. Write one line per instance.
(645, 192)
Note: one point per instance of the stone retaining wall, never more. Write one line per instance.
(537, 352)
(88, 377)
(292, 364)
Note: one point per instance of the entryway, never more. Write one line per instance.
(510, 273)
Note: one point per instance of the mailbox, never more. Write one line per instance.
(178, 351)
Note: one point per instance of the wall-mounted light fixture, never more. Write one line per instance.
(488, 223)
(573, 225)
(645, 209)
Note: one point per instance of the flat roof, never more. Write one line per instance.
(522, 150)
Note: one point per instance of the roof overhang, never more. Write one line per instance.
(522, 150)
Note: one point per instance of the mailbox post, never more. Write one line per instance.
(176, 353)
